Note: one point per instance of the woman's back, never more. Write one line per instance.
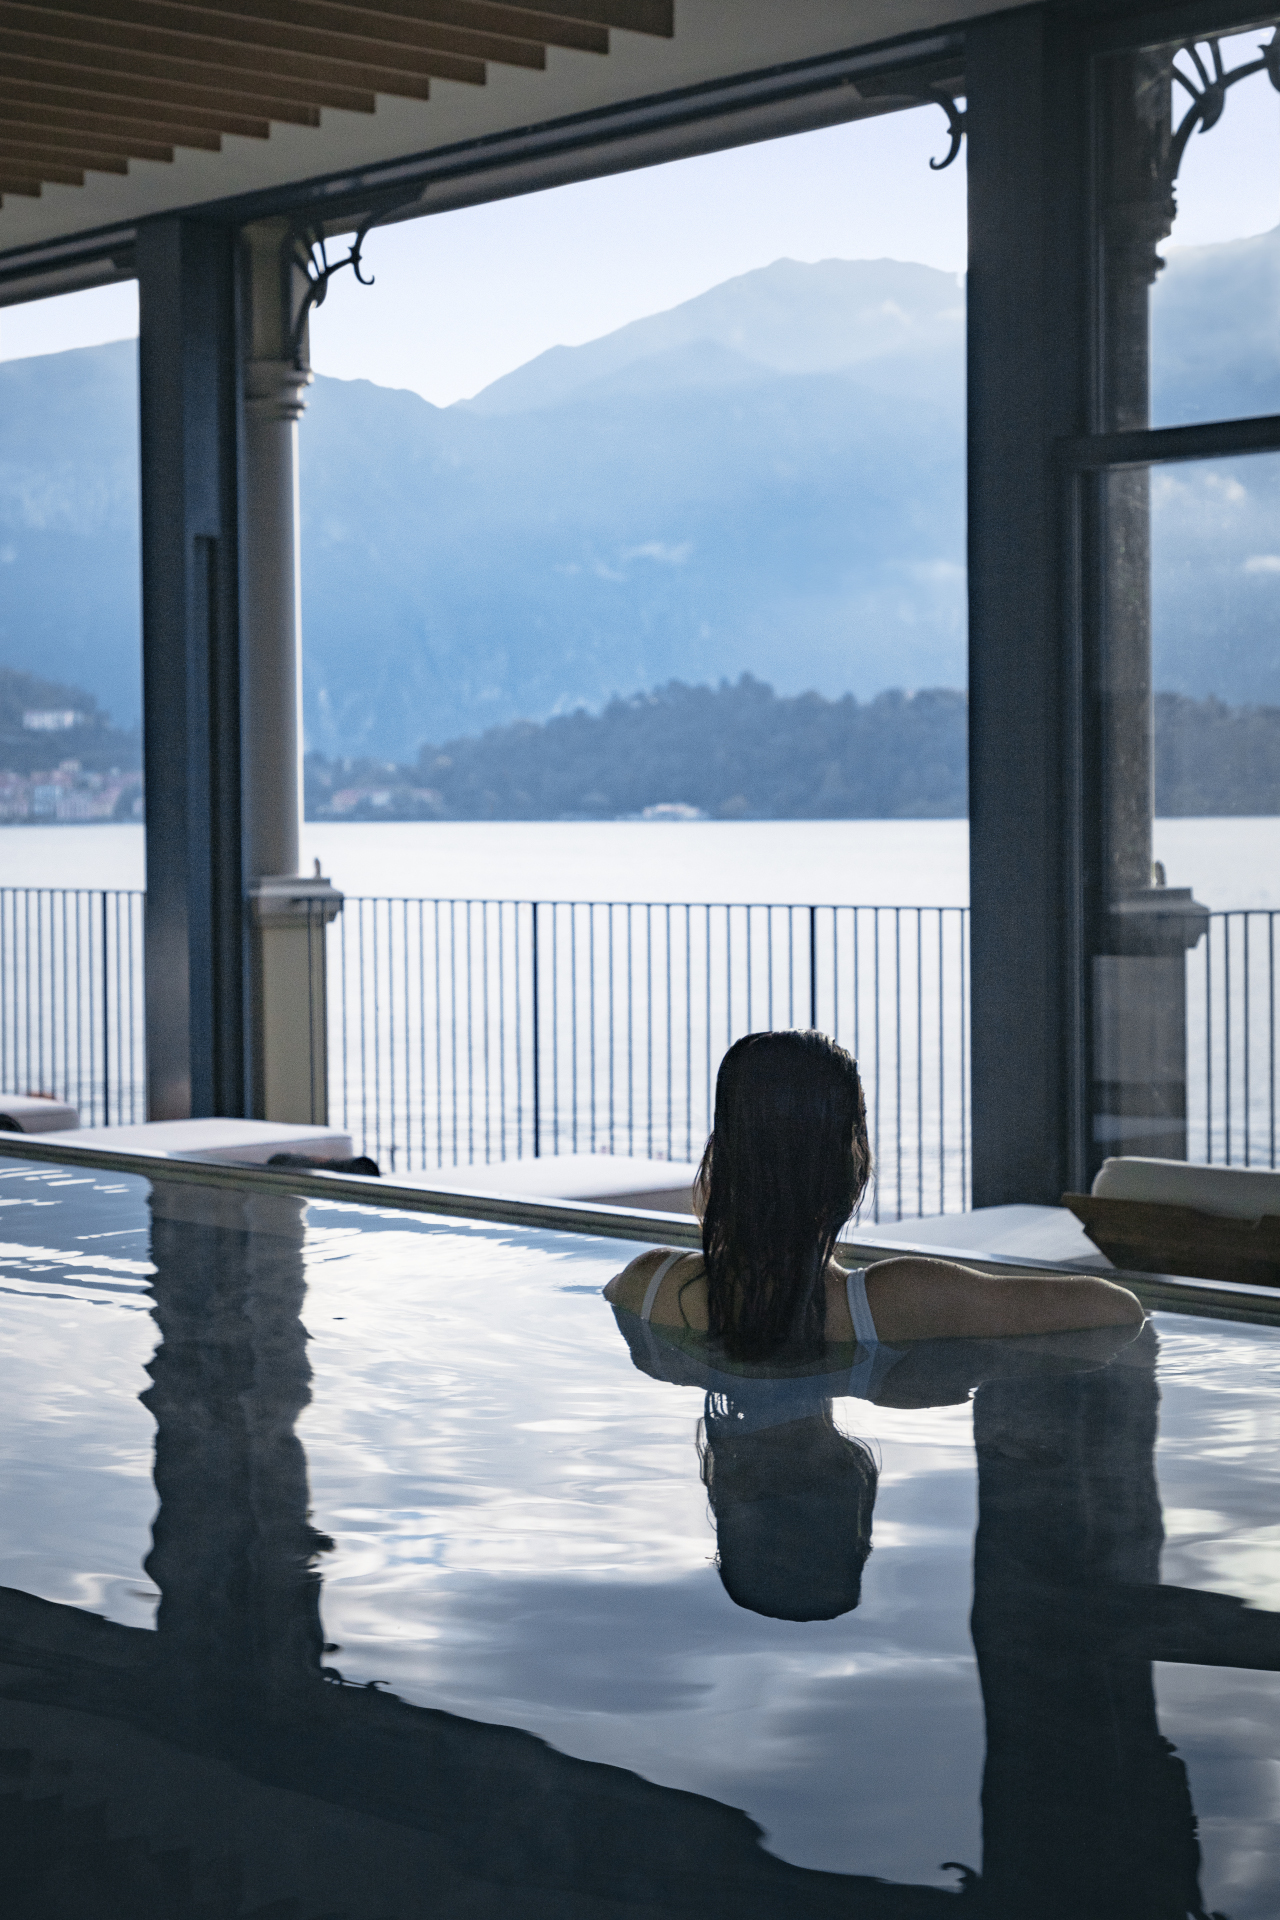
(909, 1298)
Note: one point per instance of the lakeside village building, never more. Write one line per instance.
(359, 1557)
(67, 792)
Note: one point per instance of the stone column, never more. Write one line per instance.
(1143, 928)
(289, 915)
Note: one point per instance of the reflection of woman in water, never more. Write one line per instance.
(792, 1507)
(787, 1163)
(791, 1495)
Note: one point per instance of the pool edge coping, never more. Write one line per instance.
(1159, 1292)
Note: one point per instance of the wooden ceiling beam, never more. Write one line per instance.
(185, 126)
(91, 70)
(36, 129)
(45, 160)
(51, 173)
(88, 85)
(330, 30)
(178, 56)
(220, 104)
(656, 17)
(478, 16)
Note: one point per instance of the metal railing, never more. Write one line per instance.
(71, 999)
(1232, 1040)
(477, 1030)
(480, 1030)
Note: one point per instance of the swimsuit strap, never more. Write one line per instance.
(651, 1291)
(864, 1326)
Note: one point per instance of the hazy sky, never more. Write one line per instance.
(461, 298)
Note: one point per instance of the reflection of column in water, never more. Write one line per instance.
(233, 1550)
(1086, 1808)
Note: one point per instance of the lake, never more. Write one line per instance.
(1228, 863)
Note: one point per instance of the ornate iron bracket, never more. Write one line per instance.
(1208, 87)
(311, 257)
(940, 97)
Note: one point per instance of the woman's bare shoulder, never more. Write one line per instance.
(627, 1289)
(915, 1298)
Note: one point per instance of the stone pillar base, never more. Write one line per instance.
(1140, 1025)
(290, 915)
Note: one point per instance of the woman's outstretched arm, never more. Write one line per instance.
(915, 1298)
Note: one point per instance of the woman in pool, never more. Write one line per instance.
(786, 1165)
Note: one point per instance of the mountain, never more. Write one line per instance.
(70, 598)
(690, 510)
(787, 318)
(767, 479)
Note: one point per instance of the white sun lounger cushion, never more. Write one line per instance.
(36, 1113)
(1233, 1193)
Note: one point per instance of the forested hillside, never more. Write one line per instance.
(26, 745)
(739, 751)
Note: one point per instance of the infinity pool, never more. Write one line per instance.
(360, 1563)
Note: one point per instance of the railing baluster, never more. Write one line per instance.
(502, 1034)
(1248, 1132)
(875, 922)
(591, 1013)
(688, 1031)
(1271, 1027)
(648, 1023)
(813, 967)
(667, 912)
(106, 1019)
(919, 1060)
(555, 1027)
(536, 1016)
(1227, 1037)
(422, 1037)
(942, 1068)
(897, 1047)
(706, 1025)
(747, 917)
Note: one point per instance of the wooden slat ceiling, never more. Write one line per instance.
(88, 85)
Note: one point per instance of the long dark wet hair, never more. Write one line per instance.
(787, 1163)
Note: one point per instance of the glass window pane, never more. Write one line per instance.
(1188, 710)
(1190, 206)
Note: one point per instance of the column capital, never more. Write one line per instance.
(287, 899)
(275, 389)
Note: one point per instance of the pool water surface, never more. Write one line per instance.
(356, 1562)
